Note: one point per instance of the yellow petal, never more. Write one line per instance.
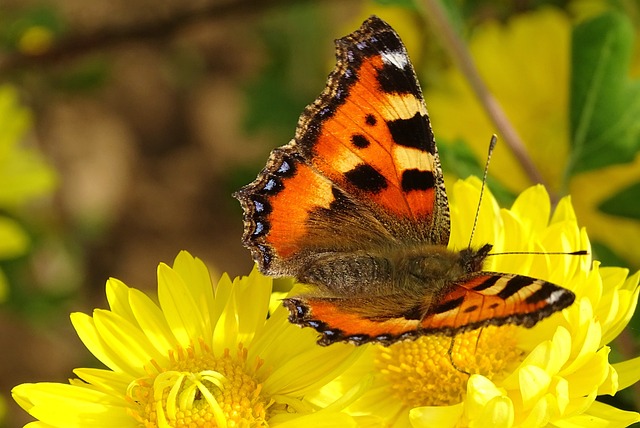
(73, 406)
(441, 417)
(152, 322)
(600, 415)
(497, 413)
(196, 276)
(534, 383)
(127, 340)
(118, 298)
(180, 309)
(86, 329)
(107, 380)
(480, 391)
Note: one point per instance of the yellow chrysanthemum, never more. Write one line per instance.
(206, 357)
(549, 375)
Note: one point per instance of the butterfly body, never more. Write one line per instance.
(355, 206)
(415, 270)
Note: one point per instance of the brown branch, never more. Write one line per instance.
(74, 46)
(438, 20)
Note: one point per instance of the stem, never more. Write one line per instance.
(438, 20)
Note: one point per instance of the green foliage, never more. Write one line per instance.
(23, 172)
(603, 253)
(295, 72)
(605, 103)
(23, 176)
(625, 203)
(460, 160)
(83, 76)
(14, 241)
(14, 26)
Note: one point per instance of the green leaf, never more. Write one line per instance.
(605, 103)
(24, 173)
(14, 24)
(607, 256)
(298, 61)
(458, 159)
(625, 203)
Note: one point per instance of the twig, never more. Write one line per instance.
(77, 45)
(437, 18)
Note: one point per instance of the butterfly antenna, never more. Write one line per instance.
(542, 253)
(492, 146)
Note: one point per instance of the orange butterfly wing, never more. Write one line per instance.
(363, 160)
(485, 298)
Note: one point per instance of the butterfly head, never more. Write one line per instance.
(472, 260)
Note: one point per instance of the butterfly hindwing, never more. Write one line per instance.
(491, 298)
(483, 299)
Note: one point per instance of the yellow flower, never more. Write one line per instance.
(546, 375)
(206, 356)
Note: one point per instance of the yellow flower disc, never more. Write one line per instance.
(200, 390)
(425, 372)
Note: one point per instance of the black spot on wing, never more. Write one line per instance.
(370, 120)
(514, 285)
(366, 178)
(414, 132)
(360, 141)
(471, 308)
(415, 179)
(394, 80)
(447, 306)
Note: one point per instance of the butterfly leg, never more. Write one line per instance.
(450, 354)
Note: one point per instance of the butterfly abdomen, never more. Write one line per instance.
(354, 273)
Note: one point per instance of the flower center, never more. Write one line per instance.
(200, 391)
(422, 372)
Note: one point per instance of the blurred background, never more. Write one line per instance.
(126, 126)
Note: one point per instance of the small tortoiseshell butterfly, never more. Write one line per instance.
(355, 205)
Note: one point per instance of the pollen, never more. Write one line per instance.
(433, 371)
(200, 389)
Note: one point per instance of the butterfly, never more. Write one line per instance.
(356, 207)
